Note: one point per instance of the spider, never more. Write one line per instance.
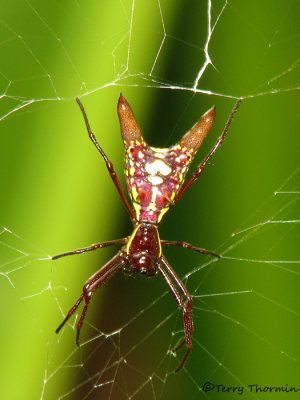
(154, 177)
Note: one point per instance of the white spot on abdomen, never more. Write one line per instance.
(155, 180)
(158, 166)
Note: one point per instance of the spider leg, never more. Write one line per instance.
(186, 307)
(200, 167)
(109, 165)
(93, 283)
(189, 247)
(71, 312)
(91, 248)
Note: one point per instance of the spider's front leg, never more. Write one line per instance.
(94, 282)
(186, 307)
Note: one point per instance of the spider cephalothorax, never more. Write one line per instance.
(143, 250)
(155, 179)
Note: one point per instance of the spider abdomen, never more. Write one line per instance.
(143, 250)
(154, 176)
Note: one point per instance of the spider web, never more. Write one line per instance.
(56, 196)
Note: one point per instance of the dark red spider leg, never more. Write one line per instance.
(200, 168)
(91, 248)
(189, 247)
(71, 312)
(186, 308)
(109, 165)
(93, 283)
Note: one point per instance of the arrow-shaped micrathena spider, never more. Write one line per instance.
(155, 179)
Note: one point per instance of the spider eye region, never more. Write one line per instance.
(143, 263)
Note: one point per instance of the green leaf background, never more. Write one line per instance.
(56, 196)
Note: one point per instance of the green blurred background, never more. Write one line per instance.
(56, 195)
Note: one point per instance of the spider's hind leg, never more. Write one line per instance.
(201, 167)
(108, 163)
